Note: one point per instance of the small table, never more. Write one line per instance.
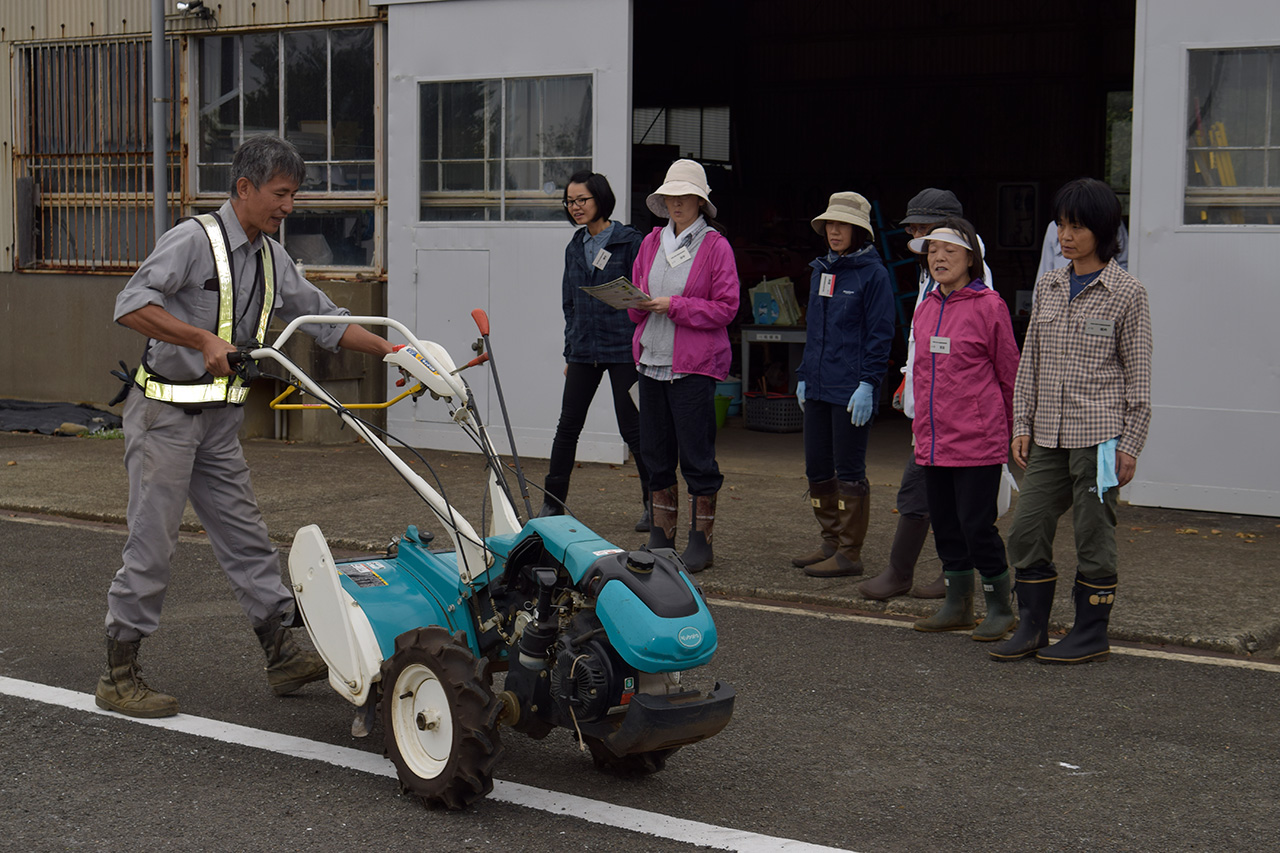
(792, 336)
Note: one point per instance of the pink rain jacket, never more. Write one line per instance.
(703, 313)
(963, 396)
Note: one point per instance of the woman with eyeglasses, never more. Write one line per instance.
(597, 338)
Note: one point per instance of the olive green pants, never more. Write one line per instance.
(1057, 479)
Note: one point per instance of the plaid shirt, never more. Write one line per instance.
(1085, 373)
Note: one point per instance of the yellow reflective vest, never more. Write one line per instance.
(216, 391)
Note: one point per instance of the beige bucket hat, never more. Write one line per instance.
(684, 177)
(845, 207)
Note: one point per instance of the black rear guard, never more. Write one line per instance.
(662, 722)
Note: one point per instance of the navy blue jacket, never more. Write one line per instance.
(849, 333)
(594, 332)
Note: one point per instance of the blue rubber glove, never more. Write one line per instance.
(800, 394)
(860, 404)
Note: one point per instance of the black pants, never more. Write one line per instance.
(580, 384)
(962, 508)
(833, 446)
(679, 424)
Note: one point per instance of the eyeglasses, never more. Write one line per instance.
(916, 229)
(578, 202)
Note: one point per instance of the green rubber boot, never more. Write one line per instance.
(999, 619)
(956, 612)
(122, 689)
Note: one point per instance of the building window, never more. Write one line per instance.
(700, 133)
(1233, 137)
(317, 89)
(82, 154)
(502, 150)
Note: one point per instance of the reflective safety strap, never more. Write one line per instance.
(221, 389)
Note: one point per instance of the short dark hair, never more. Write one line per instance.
(261, 158)
(965, 228)
(598, 185)
(1093, 204)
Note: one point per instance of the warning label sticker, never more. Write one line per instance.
(364, 574)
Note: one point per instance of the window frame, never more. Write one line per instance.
(324, 201)
(465, 197)
(1234, 197)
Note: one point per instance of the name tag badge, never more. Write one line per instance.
(826, 284)
(602, 258)
(679, 256)
(1100, 328)
(940, 345)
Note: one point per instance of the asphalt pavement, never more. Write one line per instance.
(1189, 579)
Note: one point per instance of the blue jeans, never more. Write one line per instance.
(833, 446)
(678, 424)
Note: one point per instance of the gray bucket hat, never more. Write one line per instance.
(931, 205)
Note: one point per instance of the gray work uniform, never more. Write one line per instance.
(173, 455)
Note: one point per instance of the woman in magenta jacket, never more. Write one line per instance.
(681, 348)
(966, 361)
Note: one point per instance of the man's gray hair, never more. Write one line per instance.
(261, 158)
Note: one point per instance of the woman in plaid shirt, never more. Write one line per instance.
(1081, 408)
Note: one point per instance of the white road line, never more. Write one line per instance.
(1203, 660)
(567, 805)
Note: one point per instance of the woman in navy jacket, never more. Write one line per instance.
(849, 328)
(597, 338)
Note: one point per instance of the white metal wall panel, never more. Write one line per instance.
(481, 39)
(1214, 290)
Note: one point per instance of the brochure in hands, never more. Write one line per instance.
(619, 293)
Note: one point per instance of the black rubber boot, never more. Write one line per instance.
(823, 497)
(646, 520)
(122, 689)
(956, 612)
(697, 555)
(555, 490)
(1087, 639)
(665, 507)
(908, 539)
(999, 619)
(1034, 590)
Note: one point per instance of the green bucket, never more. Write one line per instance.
(722, 409)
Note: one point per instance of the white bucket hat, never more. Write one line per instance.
(845, 207)
(684, 177)
(942, 235)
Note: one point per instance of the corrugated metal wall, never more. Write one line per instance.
(36, 20)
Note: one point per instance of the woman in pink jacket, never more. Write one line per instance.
(681, 348)
(964, 418)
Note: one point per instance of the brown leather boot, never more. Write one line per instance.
(697, 555)
(854, 508)
(122, 689)
(822, 494)
(908, 539)
(665, 512)
(288, 667)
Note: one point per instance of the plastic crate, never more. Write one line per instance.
(773, 412)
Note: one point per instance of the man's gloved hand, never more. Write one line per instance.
(860, 405)
(800, 394)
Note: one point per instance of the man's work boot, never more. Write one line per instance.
(288, 667)
(122, 689)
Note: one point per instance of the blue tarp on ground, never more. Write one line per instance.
(26, 416)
